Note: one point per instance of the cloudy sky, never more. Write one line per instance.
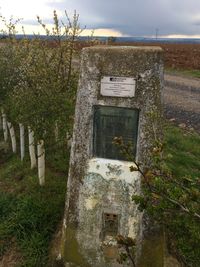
(114, 17)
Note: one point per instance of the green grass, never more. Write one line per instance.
(184, 148)
(29, 214)
(188, 73)
(184, 161)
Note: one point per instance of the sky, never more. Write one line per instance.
(169, 18)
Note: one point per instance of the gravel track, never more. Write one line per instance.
(182, 101)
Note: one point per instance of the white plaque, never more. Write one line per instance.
(117, 86)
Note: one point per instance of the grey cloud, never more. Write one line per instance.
(197, 23)
(137, 17)
(35, 21)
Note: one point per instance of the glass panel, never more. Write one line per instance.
(111, 122)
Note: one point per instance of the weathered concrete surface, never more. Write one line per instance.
(92, 191)
(108, 187)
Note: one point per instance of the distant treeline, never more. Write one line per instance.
(118, 39)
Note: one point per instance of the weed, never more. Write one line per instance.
(29, 214)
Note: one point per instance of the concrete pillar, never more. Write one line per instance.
(119, 94)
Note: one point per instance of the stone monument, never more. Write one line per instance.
(118, 88)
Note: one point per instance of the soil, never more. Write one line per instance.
(180, 56)
(176, 56)
(12, 257)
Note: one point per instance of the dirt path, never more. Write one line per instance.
(182, 101)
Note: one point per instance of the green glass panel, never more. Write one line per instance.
(111, 122)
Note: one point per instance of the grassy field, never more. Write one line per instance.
(184, 161)
(184, 146)
(30, 214)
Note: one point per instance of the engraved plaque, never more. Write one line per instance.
(111, 122)
(117, 86)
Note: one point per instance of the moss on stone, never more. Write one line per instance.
(71, 250)
(152, 254)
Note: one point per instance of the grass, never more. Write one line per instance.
(184, 161)
(29, 214)
(184, 148)
(189, 73)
